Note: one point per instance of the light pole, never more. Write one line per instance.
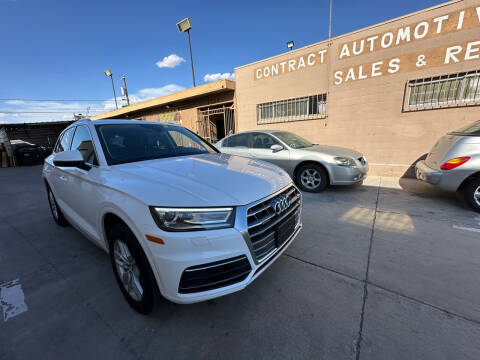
(184, 26)
(125, 89)
(290, 45)
(109, 74)
(330, 24)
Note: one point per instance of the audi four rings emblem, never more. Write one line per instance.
(280, 204)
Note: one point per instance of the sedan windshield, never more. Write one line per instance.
(292, 140)
(123, 143)
(470, 130)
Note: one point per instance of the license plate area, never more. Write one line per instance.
(285, 229)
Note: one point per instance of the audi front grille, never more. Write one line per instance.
(271, 222)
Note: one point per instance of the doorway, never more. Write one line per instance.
(214, 123)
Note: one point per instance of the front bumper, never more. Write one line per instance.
(346, 175)
(199, 251)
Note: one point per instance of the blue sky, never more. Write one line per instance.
(58, 49)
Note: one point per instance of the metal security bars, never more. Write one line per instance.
(297, 109)
(460, 89)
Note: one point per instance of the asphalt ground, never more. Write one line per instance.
(386, 270)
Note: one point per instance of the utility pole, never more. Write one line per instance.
(125, 89)
(191, 57)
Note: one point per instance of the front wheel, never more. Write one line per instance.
(471, 194)
(312, 178)
(55, 209)
(132, 269)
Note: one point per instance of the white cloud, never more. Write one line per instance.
(170, 61)
(24, 111)
(218, 76)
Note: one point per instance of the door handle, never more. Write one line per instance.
(63, 178)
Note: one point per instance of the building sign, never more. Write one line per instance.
(308, 60)
(461, 20)
(434, 57)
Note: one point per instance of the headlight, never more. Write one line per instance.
(193, 219)
(344, 161)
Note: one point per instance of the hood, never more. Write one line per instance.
(199, 180)
(333, 151)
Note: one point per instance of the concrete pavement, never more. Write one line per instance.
(387, 270)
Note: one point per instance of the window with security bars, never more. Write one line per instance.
(454, 89)
(297, 109)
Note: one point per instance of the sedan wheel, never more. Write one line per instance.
(311, 178)
(127, 270)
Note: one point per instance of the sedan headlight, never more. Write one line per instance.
(344, 161)
(193, 219)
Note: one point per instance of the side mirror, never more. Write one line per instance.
(70, 158)
(276, 147)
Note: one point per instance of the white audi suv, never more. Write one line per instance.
(173, 213)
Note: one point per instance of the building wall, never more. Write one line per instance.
(366, 114)
(186, 110)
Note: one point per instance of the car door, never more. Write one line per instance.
(260, 148)
(81, 197)
(236, 145)
(58, 176)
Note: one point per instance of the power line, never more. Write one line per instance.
(58, 100)
(45, 112)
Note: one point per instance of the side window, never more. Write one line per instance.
(184, 141)
(240, 140)
(82, 141)
(64, 143)
(262, 141)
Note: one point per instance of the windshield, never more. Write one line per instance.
(472, 130)
(292, 140)
(123, 143)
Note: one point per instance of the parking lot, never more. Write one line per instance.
(386, 270)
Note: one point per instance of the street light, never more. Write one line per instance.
(109, 74)
(184, 26)
(290, 45)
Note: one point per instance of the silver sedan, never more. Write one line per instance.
(313, 167)
(454, 164)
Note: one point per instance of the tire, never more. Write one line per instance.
(132, 269)
(55, 209)
(311, 178)
(471, 194)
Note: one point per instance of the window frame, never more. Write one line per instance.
(60, 138)
(93, 143)
(248, 135)
(435, 92)
(310, 107)
(274, 140)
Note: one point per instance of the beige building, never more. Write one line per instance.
(389, 90)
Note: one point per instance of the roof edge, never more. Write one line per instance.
(216, 86)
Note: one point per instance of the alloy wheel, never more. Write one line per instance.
(128, 270)
(311, 179)
(476, 195)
